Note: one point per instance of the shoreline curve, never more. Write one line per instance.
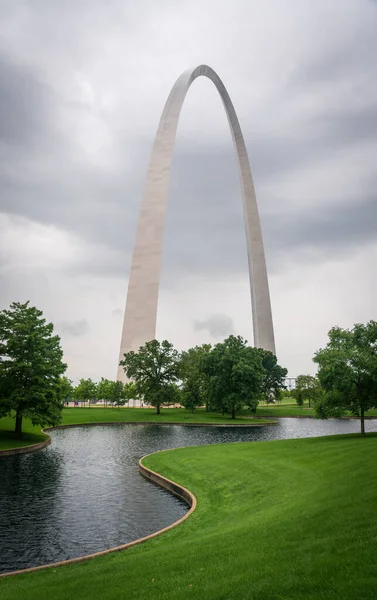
(169, 485)
(47, 442)
(268, 420)
(27, 449)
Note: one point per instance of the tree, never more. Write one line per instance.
(195, 380)
(287, 393)
(117, 396)
(154, 369)
(104, 390)
(31, 365)
(347, 371)
(129, 391)
(236, 375)
(273, 377)
(86, 390)
(308, 389)
(66, 389)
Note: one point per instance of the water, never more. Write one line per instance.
(84, 493)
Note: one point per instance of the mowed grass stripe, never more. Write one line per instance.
(280, 520)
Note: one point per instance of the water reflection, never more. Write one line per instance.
(83, 493)
(25, 491)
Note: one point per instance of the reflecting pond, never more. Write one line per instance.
(83, 493)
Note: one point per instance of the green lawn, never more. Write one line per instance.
(148, 415)
(284, 410)
(70, 416)
(292, 410)
(32, 434)
(285, 520)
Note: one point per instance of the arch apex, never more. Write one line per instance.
(139, 325)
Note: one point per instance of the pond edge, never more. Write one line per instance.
(169, 485)
(27, 449)
(41, 445)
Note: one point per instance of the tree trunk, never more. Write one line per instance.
(18, 428)
(233, 413)
(362, 422)
(158, 409)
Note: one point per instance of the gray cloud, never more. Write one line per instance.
(25, 103)
(74, 328)
(218, 326)
(82, 86)
(101, 203)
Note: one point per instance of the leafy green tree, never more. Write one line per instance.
(308, 389)
(86, 390)
(195, 379)
(66, 389)
(129, 392)
(104, 390)
(154, 369)
(347, 371)
(273, 378)
(236, 375)
(117, 395)
(31, 365)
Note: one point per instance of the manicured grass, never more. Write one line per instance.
(76, 415)
(292, 410)
(148, 415)
(32, 434)
(284, 410)
(285, 520)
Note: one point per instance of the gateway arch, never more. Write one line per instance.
(139, 324)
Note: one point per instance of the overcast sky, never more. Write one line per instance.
(82, 87)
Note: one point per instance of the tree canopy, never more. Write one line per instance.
(236, 375)
(117, 393)
(347, 371)
(67, 389)
(308, 389)
(273, 376)
(194, 377)
(155, 370)
(31, 366)
(86, 390)
(104, 390)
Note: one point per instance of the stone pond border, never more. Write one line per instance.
(164, 482)
(26, 449)
(171, 486)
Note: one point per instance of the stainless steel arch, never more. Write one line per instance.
(139, 324)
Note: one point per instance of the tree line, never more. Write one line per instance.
(88, 391)
(224, 378)
(227, 377)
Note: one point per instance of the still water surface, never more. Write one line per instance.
(84, 493)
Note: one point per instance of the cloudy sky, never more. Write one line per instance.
(82, 87)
